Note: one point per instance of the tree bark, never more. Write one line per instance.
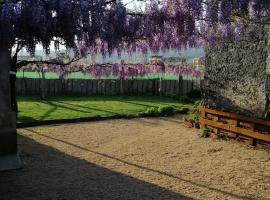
(5, 101)
(13, 98)
(8, 133)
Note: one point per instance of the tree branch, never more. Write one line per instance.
(22, 63)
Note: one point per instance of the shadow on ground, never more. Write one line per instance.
(178, 178)
(50, 174)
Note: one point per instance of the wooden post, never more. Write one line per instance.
(42, 84)
(252, 141)
(121, 86)
(203, 115)
(122, 82)
(180, 80)
(160, 85)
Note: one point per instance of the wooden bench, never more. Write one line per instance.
(252, 131)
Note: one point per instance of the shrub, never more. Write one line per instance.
(183, 110)
(152, 112)
(175, 97)
(194, 114)
(222, 136)
(185, 99)
(197, 104)
(195, 94)
(160, 111)
(166, 110)
(206, 133)
(193, 117)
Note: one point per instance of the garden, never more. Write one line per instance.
(32, 109)
(144, 99)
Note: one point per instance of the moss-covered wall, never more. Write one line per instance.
(238, 76)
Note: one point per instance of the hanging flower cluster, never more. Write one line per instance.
(101, 26)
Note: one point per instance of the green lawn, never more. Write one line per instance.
(33, 109)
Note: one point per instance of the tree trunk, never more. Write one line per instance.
(13, 98)
(8, 133)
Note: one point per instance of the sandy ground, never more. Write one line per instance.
(133, 159)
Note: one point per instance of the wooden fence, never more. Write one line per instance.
(53, 87)
(252, 131)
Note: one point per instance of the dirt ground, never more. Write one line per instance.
(138, 159)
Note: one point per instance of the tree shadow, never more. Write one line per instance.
(51, 174)
(225, 104)
(26, 119)
(49, 112)
(72, 107)
(163, 173)
(139, 104)
(67, 106)
(56, 103)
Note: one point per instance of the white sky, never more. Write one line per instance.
(134, 4)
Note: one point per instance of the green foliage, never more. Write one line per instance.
(185, 99)
(166, 110)
(197, 104)
(192, 117)
(222, 136)
(160, 111)
(189, 98)
(205, 133)
(194, 114)
(175, 97)
(183, 110)
(151, 112)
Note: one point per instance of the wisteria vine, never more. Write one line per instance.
(102, 26)
(122, 71)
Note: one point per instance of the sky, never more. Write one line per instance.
(134, 4)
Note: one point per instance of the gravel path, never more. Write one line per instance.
(138, 159)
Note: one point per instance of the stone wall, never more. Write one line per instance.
(238, 76)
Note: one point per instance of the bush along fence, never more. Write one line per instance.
(52, 87)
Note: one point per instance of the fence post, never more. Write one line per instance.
(180, 80)
(160, 85)
(42, 84)
(121, 86)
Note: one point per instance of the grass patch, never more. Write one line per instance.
(33, 109)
